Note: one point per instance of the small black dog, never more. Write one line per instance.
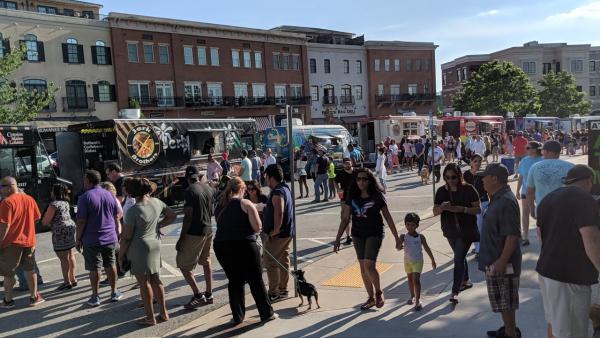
(306, 289)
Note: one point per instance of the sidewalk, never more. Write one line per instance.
(340, 316)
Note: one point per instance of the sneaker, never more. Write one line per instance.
(94, 301)
(274, 298)
(7, 305)
(208, 298)
(283, 293)
(348, 240)
(273, 317)
(37, 300)
(116, 296)
(326, 200)
(196, 301)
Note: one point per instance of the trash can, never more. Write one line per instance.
(509, 162)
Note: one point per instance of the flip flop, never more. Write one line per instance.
(146, 322)
(380, 301)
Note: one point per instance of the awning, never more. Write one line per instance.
(262, 123)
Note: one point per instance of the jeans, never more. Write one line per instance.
(460, 247)
(483, 206)
(21, 276)
(420, 163)
(321, 180)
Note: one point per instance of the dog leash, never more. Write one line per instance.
(275, 259)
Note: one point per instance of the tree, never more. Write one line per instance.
(559, 96)
(497, 88)
(17, 104)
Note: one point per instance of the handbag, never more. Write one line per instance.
(471, 235)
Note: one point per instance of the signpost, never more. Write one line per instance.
(432, 149)
(291, 152)
(594, 153)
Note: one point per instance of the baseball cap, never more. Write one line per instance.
(552, 146)
(578, 173)
(496, 169)
(192, 172)
(534, 145)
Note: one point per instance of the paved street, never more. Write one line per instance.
(64, 313)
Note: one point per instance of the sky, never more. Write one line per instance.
(458, 27)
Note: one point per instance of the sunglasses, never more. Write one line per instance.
(365, 179)
(448, 178)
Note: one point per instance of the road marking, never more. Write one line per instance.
(319, 242)
(322, 238)
(302, 258)
(47, 260)
(171, 269)
(338, 213)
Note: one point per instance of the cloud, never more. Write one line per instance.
(587, 11)
(488, 13)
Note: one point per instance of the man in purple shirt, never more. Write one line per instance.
(97, 213)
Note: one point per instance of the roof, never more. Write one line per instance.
(202, 25)
(465, 59)
(77, 2)
(300, 29)
(400, 44)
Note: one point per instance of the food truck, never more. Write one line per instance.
(158, 149)
(395, 127)
(532, 122)
(461, 126)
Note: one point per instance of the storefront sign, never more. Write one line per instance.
(594, 153)
(143, 145)
(15, 136)
(470, 126)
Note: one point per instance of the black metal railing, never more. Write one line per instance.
(347, 100)
(78, 104)
(403, 98)
(215, 101)
(50, 108)
(329, 100)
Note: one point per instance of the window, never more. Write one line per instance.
(71, 51)
(31, 43)
(592, 66)
(247, 59)
(215, 93)
(240, 90)
(296, 90)
(313, 66)
(412, 89)
(163, 54)
(377, 65)
(235, 58)
(259, 90)
(276, 61)
(444, 79)
(426, 88)
(280, 91)
(558, 67)
(465, 77)
(346, 66)
(132, 52)
(188, 55)
(396, 65)
(192, 91)
(164, 94)
(426, 64)
(103, 92)
(314, 93)
(87, 14)
(576, 66)
(4, 46)
(285, 61)
(529, 67)
(592, 90)
(139, 91)
(101, 54)
(358, 92)
(68, 12)
(547, 68)
(395, 90)
(358, 67)
(148, 53)
(35, 84)
(380, 89)
(327, 66)
(386, 65)
(214, 56)
(408, 65)
(579, 88)
(76, 95)
(47, 10)
(346, 97)
(202, 56)
(8, 4)
(458, 75)
(418, 64)
(258, 60)
(295, 62)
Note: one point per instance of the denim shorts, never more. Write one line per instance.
(99, 256)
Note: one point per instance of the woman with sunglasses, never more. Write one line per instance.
(471, 177)
(368, 207)
(534, 155)
(458, 204)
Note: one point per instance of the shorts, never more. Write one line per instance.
(13, 257)
(195, 250)
(523, 196)
(367, 247)
(566, 307)
(413, 267)
(99, 256)
(503, 292)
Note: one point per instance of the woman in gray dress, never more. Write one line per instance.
(140, 243)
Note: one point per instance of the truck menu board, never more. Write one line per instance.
(594, 153)
(15, 136)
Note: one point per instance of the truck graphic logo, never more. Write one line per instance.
(143, 145)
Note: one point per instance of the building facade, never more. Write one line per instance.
(594, 87)
(401, 77)
(535, 59)
(182, 69)
(67, 45)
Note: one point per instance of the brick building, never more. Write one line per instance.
(455, 73)
(183, 69)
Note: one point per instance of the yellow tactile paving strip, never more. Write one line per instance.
(351, 277)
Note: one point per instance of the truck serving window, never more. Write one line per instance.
(205, 142)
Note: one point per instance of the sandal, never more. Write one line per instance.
(161, 319)
(64, 286)
(369, 304)
(146, 322)
(380, 301)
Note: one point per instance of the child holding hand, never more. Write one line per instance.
(413, 242)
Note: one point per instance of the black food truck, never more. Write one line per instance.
(158, 149)
(24, 157)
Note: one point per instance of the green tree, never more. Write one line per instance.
(559, 96)
(496, 88)
(17, 104)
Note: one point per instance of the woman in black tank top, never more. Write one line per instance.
(238, 225)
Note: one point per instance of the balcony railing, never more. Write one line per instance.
(347, 100)
(329, 100)
(403, 98)
(78, 104)
(216, 101)
(50, 108)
